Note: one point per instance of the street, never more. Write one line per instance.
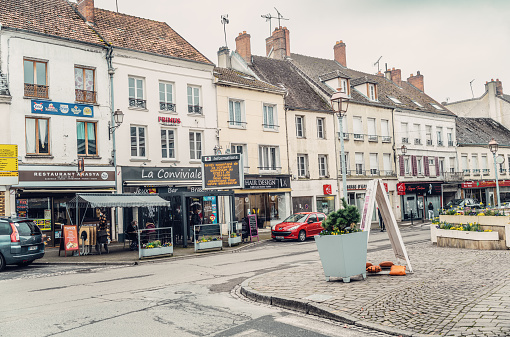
(196, 296)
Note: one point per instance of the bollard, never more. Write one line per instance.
(411, 217)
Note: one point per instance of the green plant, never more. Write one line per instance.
(342, 221)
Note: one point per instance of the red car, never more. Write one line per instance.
(299, 226)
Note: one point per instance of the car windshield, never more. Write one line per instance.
(27, 228)
(456, 202)
(296, 218)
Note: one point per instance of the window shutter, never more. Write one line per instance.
(401, 164)
(426, 166)
(437, 166)
(414, 165)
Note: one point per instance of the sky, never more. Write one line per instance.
(451, 42)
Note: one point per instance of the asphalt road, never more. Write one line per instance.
(196, 296)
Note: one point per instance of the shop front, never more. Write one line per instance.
(415, 198)
(484, 191)
(43, 191)
(267, 197)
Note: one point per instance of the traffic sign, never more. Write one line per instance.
(8, 164)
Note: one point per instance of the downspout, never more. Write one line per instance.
(397, 197)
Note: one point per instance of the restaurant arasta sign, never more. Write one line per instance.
(161, 173)
(62, 109)
(47, 175)
(266, 182)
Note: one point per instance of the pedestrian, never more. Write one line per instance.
(431, 211)
(381, 221)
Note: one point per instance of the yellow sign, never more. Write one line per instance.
(8, 174)
(9, 164)
(8, 150)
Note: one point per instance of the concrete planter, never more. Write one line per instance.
(458, 218)
(482, 220)
(234, 241)
(150, 252)
(494, 220)
(208, 245)
(466, 235)
(343, 255)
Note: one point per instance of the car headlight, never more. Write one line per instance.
(294, 227)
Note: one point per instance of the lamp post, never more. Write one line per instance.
(118, 118)
(342, 99)
(493, 147)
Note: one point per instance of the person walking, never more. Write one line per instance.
(431, 211)
(381, 221)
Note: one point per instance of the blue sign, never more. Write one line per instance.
(62, 109)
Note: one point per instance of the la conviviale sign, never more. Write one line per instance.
(161, 173)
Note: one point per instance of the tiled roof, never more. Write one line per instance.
(126, 31)
(281, 73)
(313, 67)
(333, 74)
(49, 17)
(505, 97)
(362, 80)
(237, 77)
(476, 131)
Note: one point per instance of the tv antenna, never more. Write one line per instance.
(224, 22)
(377, 63)
(117, 5)
(471, 85)
(268, 17)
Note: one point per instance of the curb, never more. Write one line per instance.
(319, 311)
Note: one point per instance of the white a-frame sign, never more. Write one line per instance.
(376, 193)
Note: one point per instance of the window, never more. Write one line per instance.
(37, 131)
(235, 108)
(87, 138)
(357, 127)
(428, 134)
(452, 164)
(167, 144)
(302, 163)
(385, 131)
(344, 88)
(240, 149)
(417, 134)
(419, 165)
(320, 128)
(323, 165)
(344, 127)
(300, 126)
(371, 92)
(484, 165)
(268, 158)
(439, 132)
(195, 145)
(35, 77)
(346, 158)
(358, 156)
(387, 164)
(166, 97)
(194, 106)
(270, 117)
(138, 135)
(405, 133)
(372, 132)
(441, 167)
(417, 104)
(136, 92)
(449, 136)
(374, 164)
(407, 168)
(464, 163)
(394, 100)
(474, 164)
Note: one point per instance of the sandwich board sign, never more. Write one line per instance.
(376, 193)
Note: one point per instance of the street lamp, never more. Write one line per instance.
(493, 147)
(403, 150)
(342, 100)
(118, 117)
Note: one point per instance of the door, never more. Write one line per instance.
(311, 225)
(421, 207)
(320, 219)
(410, 207)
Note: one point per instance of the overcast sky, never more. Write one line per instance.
(451, 42)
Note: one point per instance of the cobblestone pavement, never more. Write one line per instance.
(452, 292)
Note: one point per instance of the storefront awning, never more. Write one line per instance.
(117, 200)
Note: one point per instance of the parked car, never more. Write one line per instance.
(21, 242)
(468, 202)
(299, 226)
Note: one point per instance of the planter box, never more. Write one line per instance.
(458, 218)
(343, 255)
(469, 240)
(494, 220)
(482, 220)
(234, 241)
(209, 245)
(467, 235)
(156, 251)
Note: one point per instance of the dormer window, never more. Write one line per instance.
(394, 100)
(437, 107)
(417, 104)
(371, 92)
(337, 81)
(344, 86)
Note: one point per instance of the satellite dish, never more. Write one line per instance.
(500, 159)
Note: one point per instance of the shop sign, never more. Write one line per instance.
(401, 188)
(70, 238)
(169, 121)
(130, 173)
(62, 109)
(484, 184)
(48, 175)
(364, 187)
(9, 164)
(8, 151)
(421, 188)
(266, 182)
(222, 172)
(327, 189)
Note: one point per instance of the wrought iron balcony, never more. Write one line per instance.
(405, 140)
(85, 96)
(466, 172)
(440, 143)
(137, 103)
(372, 138)
(35, 90)
(237, 124)
(346, 135)
(429, 141)
(486, 172)
(164, 106)
(417, 141)
(502, 171)
(450, 143)
(454, 176)
(194, 109)
(476, 171)
(386, 139)
(271, 127)
(358, 136)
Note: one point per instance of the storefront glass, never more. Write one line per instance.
(269, 207)
(302, 204)
(326, 205)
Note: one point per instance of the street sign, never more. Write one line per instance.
(9, 174)
(8, 164)
(8, 150)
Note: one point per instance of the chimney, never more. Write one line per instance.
(499, 87)
(243, 46)
(86, 9)
(417, 81)
(339, 50)
(278, 44)
(387, 74)
(224, 58)
(396, 76)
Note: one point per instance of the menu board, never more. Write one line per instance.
(70, 238)
(222, 172)
(22, 207)
(252, 225)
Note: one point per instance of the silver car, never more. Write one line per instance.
(21, 242)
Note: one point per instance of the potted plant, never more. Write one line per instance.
(155, 248)
(233, 239)
(207, 242)
(342, 246)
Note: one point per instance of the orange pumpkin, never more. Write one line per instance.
(373, 269)
(386, 264)
(369, 264)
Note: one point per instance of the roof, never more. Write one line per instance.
(49, 17)
(117, 200)
(231, 76)
(332, 74)
(281, 73)
(477, 131)
(313, 68)
(131, 32)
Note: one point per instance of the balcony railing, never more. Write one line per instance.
(429, 141)
(486, 172)
(372, 138)
(35, 90)
(358, 136)
(466, 172)
(346, 135)
(237, 124)
(450, 143)
(454, 176)
(85, 96)
(405, 140)
(386, 139)
(417, 141)
(194, 109)
(476, 171)
(440, 143)
(270, 127)
(164, 106)
(502, 171)
(137, 103)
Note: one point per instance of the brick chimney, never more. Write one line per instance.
(243, 46)
(417, 81)
(499, 87)
(278, 44)
(339, 50)
(396, 76)
(86, 8)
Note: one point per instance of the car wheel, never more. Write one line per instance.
(277, 240)
(2, 262)
(302, 236)
(25, 263)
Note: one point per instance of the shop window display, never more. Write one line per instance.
(268, 207)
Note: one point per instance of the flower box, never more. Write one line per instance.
(149, 252)
(234, 241)
(343, 255)
(209, 244)
(467, 235)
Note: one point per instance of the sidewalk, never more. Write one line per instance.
(452, 292)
